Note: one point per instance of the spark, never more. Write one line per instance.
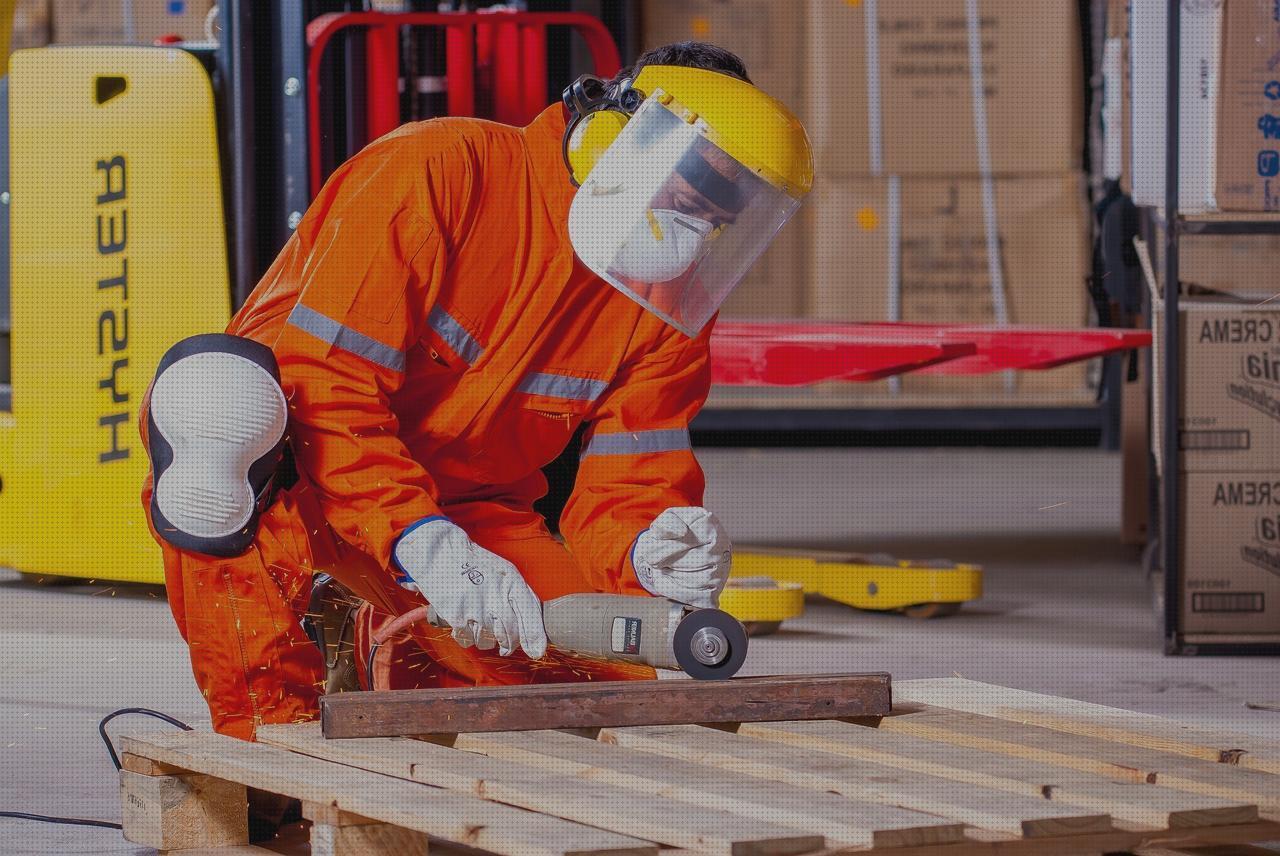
(1055, 505)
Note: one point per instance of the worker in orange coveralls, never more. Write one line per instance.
(449, 311)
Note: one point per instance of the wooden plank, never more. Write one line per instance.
(655, 817)
(1216, 850)
(331, 815)
(841, 820)
(1098, 843)
(606, 703)
(293, 839)
(1148, 805)
(1008, 813)
(373, 839)
(183, 812)
(454, 817)
(1093, 720)
(147, 767)
(1117, 761)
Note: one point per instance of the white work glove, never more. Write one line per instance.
(684, 556)
(472, 589)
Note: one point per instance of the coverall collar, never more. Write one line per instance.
(544, 137)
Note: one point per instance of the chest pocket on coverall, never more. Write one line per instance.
(548, 408)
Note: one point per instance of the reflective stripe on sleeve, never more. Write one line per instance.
(448, 328)
(563, 386)
(345, 338)
(638, 442)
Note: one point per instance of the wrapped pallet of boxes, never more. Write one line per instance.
(125, 22)
(770, 39)
(978, 122)
(948, 152)
(1229, 460)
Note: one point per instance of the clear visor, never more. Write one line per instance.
(670, 219)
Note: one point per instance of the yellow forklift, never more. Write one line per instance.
(144, 190)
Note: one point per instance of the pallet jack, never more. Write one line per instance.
(768, 585)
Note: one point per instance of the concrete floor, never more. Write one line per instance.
(1066, 612)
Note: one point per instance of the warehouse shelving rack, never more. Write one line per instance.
(1102, 418)
(1169, 506)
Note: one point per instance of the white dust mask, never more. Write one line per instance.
(662, 246)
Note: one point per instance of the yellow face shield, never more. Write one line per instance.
(672, 220)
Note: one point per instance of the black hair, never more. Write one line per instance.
(688, 55)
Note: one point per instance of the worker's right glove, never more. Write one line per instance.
(471, 588)
(685, 556)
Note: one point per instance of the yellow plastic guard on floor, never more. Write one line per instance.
(762, 603)
(920, 589)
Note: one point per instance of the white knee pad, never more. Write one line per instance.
(216, 435)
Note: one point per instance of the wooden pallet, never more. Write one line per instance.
(959, 768)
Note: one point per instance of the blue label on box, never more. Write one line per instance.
(1268, 163)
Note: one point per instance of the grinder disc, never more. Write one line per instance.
(710, 645)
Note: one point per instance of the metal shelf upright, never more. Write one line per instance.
(1170, 512)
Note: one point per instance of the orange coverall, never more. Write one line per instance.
(438, 344)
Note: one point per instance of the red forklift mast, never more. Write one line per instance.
(304, 84)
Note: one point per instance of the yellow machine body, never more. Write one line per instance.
(878, 583)
(117, 251)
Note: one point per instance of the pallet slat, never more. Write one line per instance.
(1000, 811)
(841, 820)
(443, 814)
(1118, 761)
(599, 704)
(1093, 720)
(1152, 807)
(653, 818)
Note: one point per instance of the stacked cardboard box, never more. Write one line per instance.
(902, 223)
(103, 22)
(1229, 460)
(1229, 105)
(30, 24)
(770, 38)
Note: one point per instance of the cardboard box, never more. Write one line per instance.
(897, 97)
(80, 22)
(1230, 549)
(1200, 53)
(1230, 410)
(769, 37)
(1228, 267)
(776, 286)
(919, 253)
(30, 24)
(1248, 176)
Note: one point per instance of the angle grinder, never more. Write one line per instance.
(707, 644)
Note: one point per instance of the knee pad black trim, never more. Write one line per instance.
(203, 502)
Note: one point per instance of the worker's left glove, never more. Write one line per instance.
(684, 556)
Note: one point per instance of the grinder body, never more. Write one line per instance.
(708, 644)
(615, 627)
